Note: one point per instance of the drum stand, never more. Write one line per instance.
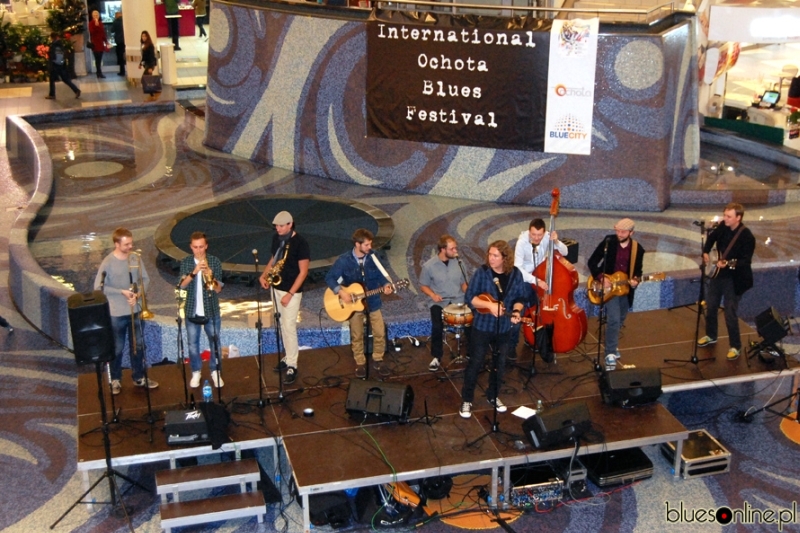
(458, 332)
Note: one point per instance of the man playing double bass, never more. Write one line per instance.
(617, 253)
(529, 253)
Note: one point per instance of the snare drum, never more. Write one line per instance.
(457, 315)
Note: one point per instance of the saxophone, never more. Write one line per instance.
(274, 274)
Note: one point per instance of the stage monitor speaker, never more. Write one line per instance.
(379, 398)
(770, 326)
(572, 250)
(557, 425)
(628, 387)
(90, 324)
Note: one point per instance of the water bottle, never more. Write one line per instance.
(539, 406)
(206, 392)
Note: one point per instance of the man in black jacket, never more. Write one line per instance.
(735, 246)
(617, 253)
(57, 67)
(118, 30)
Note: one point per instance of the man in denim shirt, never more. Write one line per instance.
(494, 324)
(358, 266)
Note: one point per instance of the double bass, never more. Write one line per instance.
(557, 307)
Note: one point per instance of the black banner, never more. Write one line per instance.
(462, 80)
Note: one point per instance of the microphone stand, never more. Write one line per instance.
(463, 327)
(700, 304)
(261, 403)
(181, 353)
(215, 352)
(599, 365)
(493, 372)
(150, 419)
(368, 320)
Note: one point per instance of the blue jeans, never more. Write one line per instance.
(616, 311)
(193, 336)
(121, 327)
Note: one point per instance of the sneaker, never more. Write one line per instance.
(195, 382)
(10, 329)
(617, 355)
(611, 361)
(217, 379)
(361, 371)
(733, 354)
(434, 365)
(466, 410)
(501, 407)
(381, 368)
(149, 383)
(291, 376)
(116, 387)
(706, 341)
(280, 366)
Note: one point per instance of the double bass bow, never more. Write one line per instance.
(557, 307)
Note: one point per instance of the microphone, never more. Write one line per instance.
(497, 282)
(255, 255)
(700, 223)
(605, 250)
(103, 281)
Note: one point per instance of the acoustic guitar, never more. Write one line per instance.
(488, 298)
(620, 286)
(713, 269)
(340, 310)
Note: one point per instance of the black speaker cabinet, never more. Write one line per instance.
(770, 326)
(631, 386)
(379, 398)
(557, 425)
(90, 324)
(572, 250)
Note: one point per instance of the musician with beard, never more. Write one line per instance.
(291, 251)
(442, 280)
(617, 253)
(735, 244)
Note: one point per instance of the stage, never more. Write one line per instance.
(362, 454)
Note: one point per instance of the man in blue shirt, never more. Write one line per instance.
(494, 322)
(359, 266)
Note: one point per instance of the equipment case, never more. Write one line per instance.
(702, 455)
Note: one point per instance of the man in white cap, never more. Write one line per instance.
(617, 253)
(287, 270)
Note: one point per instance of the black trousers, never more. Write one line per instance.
(479, 344)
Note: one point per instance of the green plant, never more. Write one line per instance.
(68, 18)
(794, 116)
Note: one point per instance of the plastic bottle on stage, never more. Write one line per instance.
(539, 406)
(206, 392)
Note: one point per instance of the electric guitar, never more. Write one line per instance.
(340, 310)
(713, 269)
(620, 286)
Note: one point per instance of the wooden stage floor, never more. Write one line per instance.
(356, 454)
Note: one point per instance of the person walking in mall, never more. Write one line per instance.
(57, 67)
(200, 16)
(119, 41)
(98, 41)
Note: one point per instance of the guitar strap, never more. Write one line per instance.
(383, 270)
(634, 251)
(733, 241)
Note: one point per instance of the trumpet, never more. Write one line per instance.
(146, 314)
(274, 274)
(209, 281)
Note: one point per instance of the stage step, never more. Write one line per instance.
(206, 477)
(178, 513)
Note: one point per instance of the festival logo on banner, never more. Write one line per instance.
(570, 95)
